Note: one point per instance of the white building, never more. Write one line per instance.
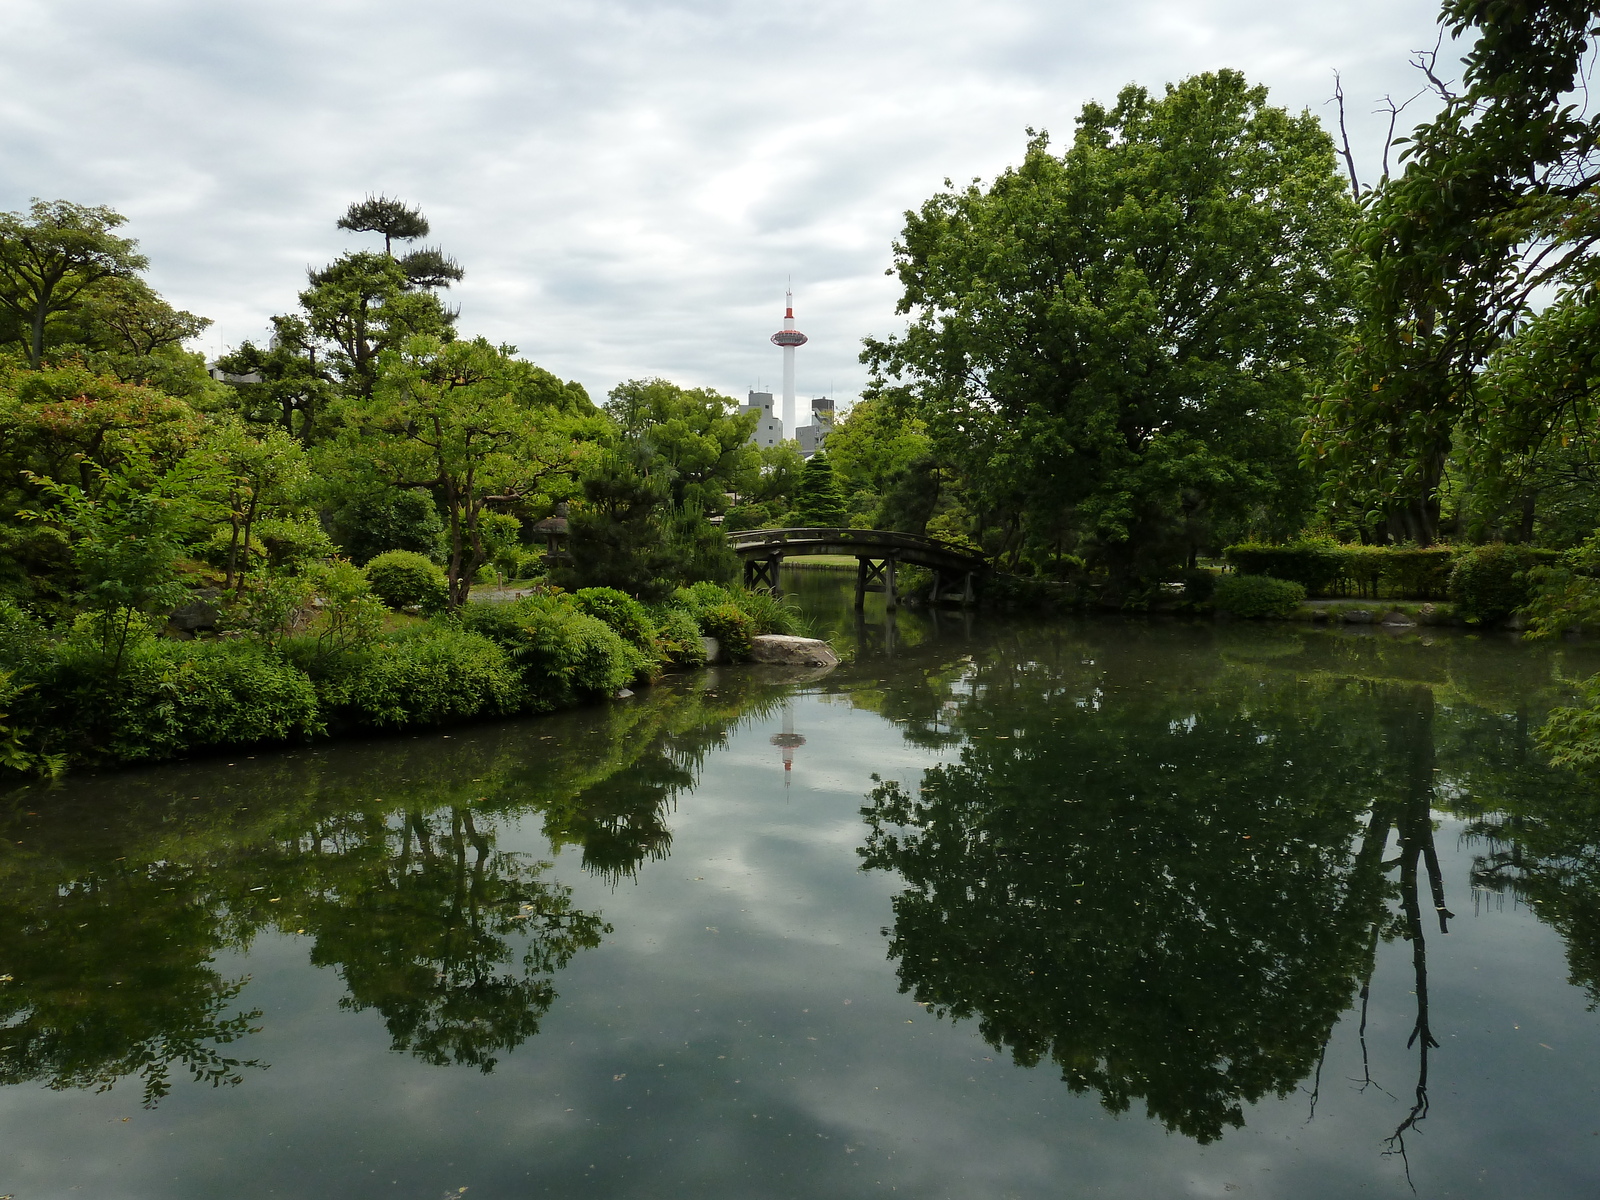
(769, 429)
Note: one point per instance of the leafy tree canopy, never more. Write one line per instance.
(1111, 344)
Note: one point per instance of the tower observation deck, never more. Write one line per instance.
(789, 338)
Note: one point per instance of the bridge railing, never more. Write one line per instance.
(866, 539)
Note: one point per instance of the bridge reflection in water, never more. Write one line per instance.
(956, 574)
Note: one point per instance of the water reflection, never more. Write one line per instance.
(1166, 870)
(118, 895)
(1159, 861)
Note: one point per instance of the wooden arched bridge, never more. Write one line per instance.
(956, 573)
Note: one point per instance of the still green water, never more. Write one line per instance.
(1078, 908)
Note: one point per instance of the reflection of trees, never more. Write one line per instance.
(108, 976)
(115, 900)
(454, 942)
(1538, 834)
(1170, 892)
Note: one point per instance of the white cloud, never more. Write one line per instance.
(628, 184)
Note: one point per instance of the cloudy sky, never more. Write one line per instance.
(628, 183)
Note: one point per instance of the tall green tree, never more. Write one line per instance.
(1494, 209)
(1111, 345)
(697, 438)
(50, 255)
(361, 305)
(820, 501)
(396, 220)
(477, 427)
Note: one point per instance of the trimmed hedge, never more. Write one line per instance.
(1257, 596)
(1326, 568)
(1316, 566)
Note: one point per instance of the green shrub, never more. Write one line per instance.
(1316, 566)
(173, 698)
(403, 579)
(621, 612)
(748, 516)
(731, 626)
(379, 518)
(562, 654)
(1491, 582)
(698, 597)
(766, 613)
(678, 637)
(1257, 596)
(437, 674)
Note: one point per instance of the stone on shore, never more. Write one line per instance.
(792, 651)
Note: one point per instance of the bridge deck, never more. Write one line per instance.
(860, 543)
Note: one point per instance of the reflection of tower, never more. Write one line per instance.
(789, 337)
(788, 740)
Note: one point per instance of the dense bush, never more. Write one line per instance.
(436, 674)
(405, 579)
(766, 613)
(173, 698)
(731, 626)
(678, 637)
(376, 519)
(621, 612)
(1257, 596)
(1489, 583)
(750, 516)
(562, 654)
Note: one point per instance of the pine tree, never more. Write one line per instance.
(820, 501)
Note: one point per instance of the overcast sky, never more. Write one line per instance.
(629, 184)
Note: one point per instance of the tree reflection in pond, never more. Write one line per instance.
(117, 896)
(1171, 893)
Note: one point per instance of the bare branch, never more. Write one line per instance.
(1425, 61)
(1394, 110)
(1344, 135)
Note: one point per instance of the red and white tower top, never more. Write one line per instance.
(789, 336)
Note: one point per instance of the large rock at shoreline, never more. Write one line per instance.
(792, 651)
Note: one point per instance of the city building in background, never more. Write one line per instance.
(768, 430)
(812, 436)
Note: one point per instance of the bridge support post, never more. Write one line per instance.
(890, 596)
(863, 569)
(762, 573)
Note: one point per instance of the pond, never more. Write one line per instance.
(997, 908)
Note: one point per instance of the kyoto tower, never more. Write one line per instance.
(789, 337)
